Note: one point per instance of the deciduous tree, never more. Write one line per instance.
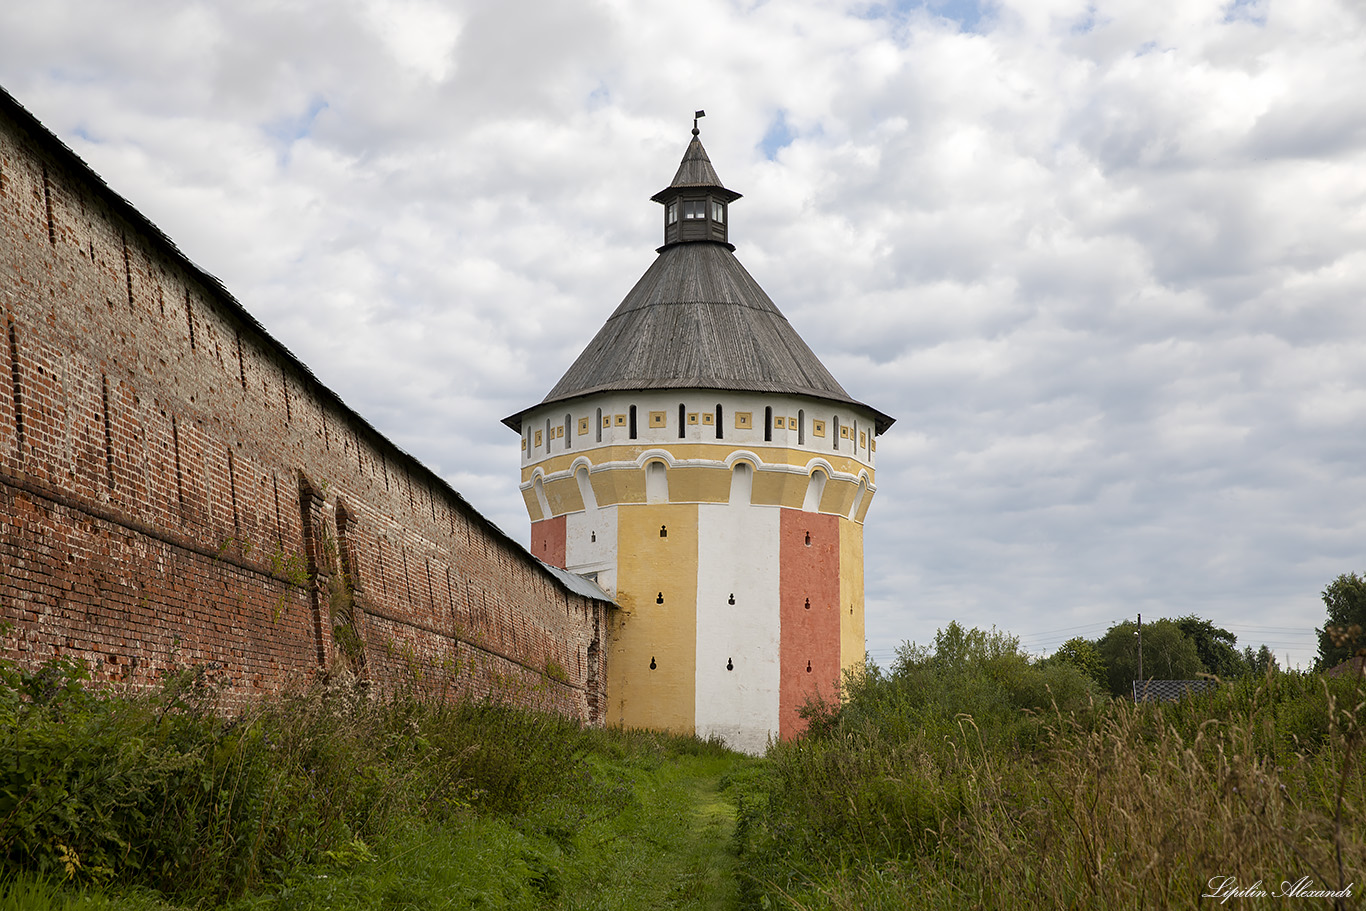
(1167, 654)
(1344, 634)
(1215, 646)
(1082, 654)
(1260, 661)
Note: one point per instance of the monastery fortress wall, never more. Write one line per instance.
(177, 488)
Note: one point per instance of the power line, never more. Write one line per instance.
(1271, 629)
(1068, 629)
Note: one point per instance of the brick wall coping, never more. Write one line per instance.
(50, 143)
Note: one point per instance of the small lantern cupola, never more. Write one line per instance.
(695, 203)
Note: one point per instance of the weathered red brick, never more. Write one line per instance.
(167, 469)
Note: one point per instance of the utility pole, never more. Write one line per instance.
(1140, 649)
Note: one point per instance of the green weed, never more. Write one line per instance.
(970, 776)
(334, 798)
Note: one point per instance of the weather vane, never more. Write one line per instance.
(695, 116)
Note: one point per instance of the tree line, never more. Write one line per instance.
(1189, 647)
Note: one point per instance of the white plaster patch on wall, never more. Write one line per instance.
(738, 550)
(590, 546)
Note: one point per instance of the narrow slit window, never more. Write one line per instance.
(768, 424)
(18, 394)
(599, 425)
(801, 427)
(682, 421)
(568, 430)
(109, 437)
(549, 434)
(633, 422)
(835, 432)
(718, 422)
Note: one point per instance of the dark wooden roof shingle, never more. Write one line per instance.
(698, 320)
(695, 170)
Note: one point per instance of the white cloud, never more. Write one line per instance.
(1102, 261)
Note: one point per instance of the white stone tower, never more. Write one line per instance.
(705, 468)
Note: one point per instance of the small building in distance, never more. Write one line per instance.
(700, 463)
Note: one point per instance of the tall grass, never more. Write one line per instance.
(971, 776)
(161, 791)
(967, 775)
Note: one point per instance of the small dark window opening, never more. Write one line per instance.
(768, 424)
(663, 532)
(801, 427)
(835, 432)
(599, 425)
(548, 435)
(808, 604)
(718, 422)
(808, 665)
(730, 665)
(633, 422)
(659, 599)
(652, 663)
(808, 539)
(568, 430)
(732, 598)
(682, 421)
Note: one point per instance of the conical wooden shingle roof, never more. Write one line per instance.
(696, 171)
(698, 320)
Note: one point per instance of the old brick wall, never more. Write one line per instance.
(176, 488)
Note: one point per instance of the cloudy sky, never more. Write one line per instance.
(1105, 262)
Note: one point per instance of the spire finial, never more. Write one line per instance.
(695, 116)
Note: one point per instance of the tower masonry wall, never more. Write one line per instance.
(177, 488)
(785, 438)
(737, 559)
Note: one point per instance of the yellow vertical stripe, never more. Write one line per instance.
(851, 594)
(647, 566)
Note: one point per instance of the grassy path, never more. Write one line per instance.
(678, 852)
(671, 846)
(660, 838)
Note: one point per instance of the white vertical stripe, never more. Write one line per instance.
(737, 555)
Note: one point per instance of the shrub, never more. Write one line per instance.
(970, 776)
(161, 791)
